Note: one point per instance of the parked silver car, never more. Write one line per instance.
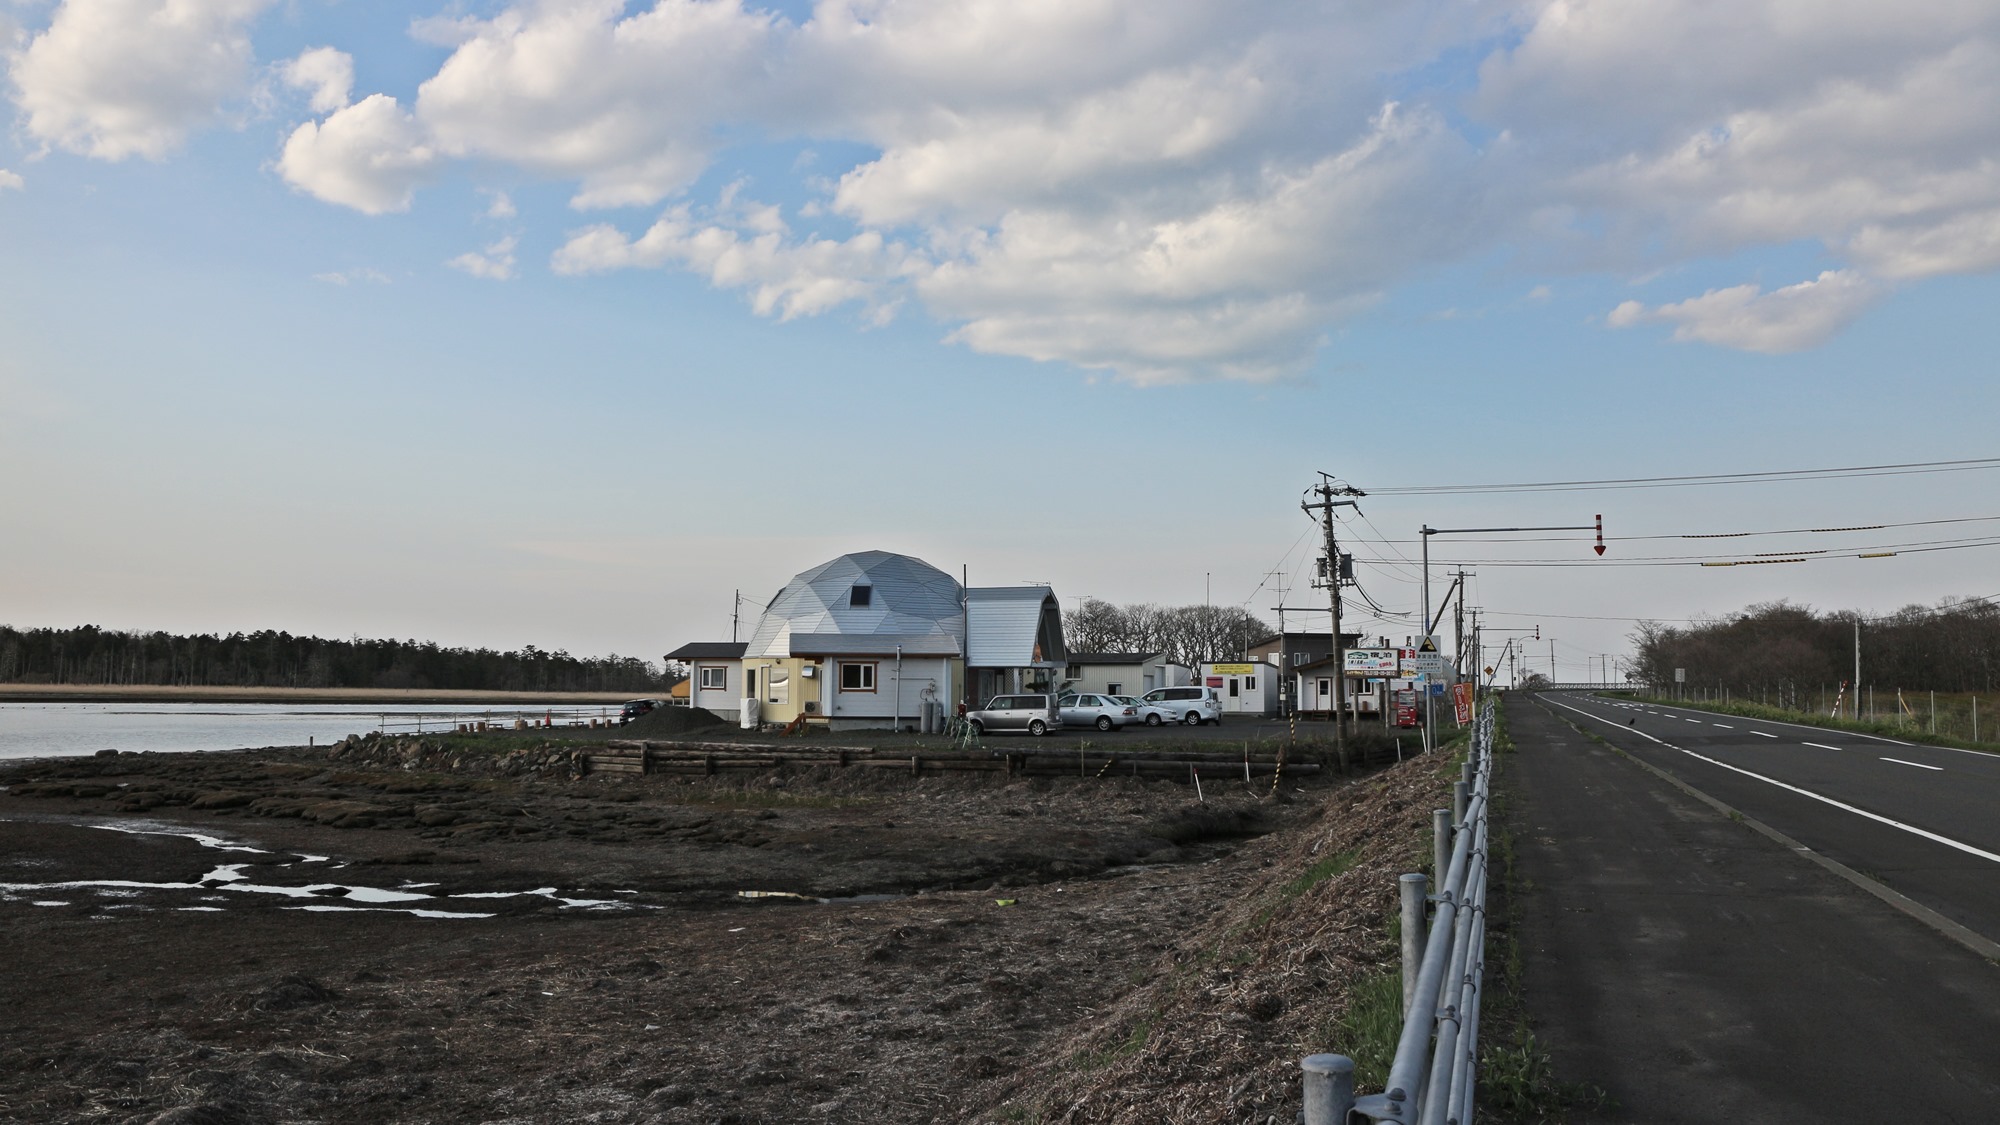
(1036, 714)
(1191, 705)
(1105, 712)
(1151, 714)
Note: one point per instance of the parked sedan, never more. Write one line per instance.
(1105, 712)
(1151, 714)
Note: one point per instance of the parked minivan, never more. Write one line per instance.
(1036, 714)
(1191, 705)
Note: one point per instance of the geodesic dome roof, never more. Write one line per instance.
(907, 599)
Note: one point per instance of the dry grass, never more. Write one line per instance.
(1217, 1033)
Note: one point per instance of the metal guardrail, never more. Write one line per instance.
(1432, 1078)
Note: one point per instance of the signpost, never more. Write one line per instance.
(1372, 662)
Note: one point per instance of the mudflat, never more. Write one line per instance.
(290, 935)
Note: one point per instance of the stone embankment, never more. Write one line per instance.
(558, 761)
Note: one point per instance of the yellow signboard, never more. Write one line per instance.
(1233, 669)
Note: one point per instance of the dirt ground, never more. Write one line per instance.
(939, 948)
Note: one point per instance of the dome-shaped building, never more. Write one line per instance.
(868, 639)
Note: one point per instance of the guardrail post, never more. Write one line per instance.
(1440, 845)
(1412, 888)
(1461, 795)
(1329, 1081)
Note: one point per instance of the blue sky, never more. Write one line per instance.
(616, 310)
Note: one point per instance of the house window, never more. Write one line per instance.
(779, 685)
(1326, 687)
(861, 596)
(1114, 689)
(714, 678)
(857, 677)
(1299, 658)
(1249, 683)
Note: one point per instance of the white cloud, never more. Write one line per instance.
(502, 206)
(1186, 190)
(348, 277)
(622, 105)
(785, 278)
(1792, 319)
(119, 78)
(11, 181)
(328, 73)
(495, 263)
(370, 156)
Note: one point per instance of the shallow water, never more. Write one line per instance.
(44, 730)
(214, 890)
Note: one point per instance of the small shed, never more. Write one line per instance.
(715, 675)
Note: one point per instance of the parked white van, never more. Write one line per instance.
(1191, 705)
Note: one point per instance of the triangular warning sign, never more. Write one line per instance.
(1430, 645)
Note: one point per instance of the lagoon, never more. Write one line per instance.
(62, 729)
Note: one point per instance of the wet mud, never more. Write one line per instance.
(437, 945)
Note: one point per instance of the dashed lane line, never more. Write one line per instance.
(1919, 765)
(1821, 746)
(1724, 726)
(1878, 818)
(1765, 733)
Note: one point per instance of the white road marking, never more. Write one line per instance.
(1692, 720)
(1842, 805)
(1919, 765)
(1765, 733)
(1821, 746)
(1724, 726)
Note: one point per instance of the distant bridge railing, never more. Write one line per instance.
(1590, 687)
(1432, 1078)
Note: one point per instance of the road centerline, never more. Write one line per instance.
(1821, 746)
(1919, 765)
(1765, 733)
(1878, 818)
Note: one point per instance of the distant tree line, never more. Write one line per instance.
(89, 655)
(1952, 647)
(1187, 634)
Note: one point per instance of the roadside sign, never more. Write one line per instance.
(1461, 703)
(1429, 663)
(1430, 644)
(1233, 669)
(1680, 675)
(1370, 662)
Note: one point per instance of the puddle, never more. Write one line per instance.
(844, 900)
(230, 879)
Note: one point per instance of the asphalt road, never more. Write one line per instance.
(1697, 970)
(1923, 820)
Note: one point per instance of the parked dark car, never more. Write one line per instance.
(638, 707)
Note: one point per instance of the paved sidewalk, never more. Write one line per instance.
(1699, 972)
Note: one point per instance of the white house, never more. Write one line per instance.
(1123, 673)
(1315, 694)
(1244, 689)
(873, 639)
(715, 675)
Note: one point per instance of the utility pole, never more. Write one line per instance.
(735, 615)
(1857, 667)
(1333, 573)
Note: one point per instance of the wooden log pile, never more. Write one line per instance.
(708, 758)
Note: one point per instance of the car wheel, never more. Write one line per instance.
(1038, 728)
(976, 727)
(1153, 720)
(1104, 722)
(1193, 719)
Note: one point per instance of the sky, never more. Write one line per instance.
(561, 323)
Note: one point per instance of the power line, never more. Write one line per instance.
(1722, 534)
(1889, 551)
(1699, 480)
